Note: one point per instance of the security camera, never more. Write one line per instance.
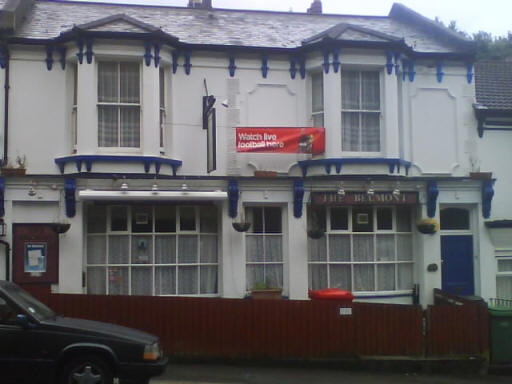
(225, 103)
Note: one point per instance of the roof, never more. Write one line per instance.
(493, 82)
(48, 19)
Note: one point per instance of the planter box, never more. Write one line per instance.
(13, 171)
(266, 294)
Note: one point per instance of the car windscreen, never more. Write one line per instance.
(29, 303)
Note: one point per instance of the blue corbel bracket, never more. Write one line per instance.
(2, 196)
(175, 56)
(157, 46)
(264, 66)
(80, 53)
(487, 195)
(88, 50)
(432, 193)
(49, 57)
(70, 195)
(62, 52)
(397, 56)
(146, 161)
(293, 66)
(298, 198)
(412, 72)
(325, 65)
(188, 64)
(392, 163)
(302, 66)
(233, 196)
(4, 56)
(232, 65)
(336, 63)
(147, 53)
(389, 62)
(439, 72)
(470, 73)
(405, 69)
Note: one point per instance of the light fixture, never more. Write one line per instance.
(3, 228)
(154, 189)
(341, 191)
(396, 191)
(225, 103)
(371, 190)
(31, 191)
(124, 187)
(184, 187)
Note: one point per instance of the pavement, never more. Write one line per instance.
(219, 373)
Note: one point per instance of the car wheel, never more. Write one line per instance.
(86, 370)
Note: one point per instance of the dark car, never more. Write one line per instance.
(37, 345)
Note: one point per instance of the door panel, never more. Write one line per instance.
(457, 258)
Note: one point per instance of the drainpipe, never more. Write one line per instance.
(7, 255)
(6, 108)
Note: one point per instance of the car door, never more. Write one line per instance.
(11, 334)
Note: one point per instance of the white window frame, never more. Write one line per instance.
(162, 83)
(321, 112)
(74, 107)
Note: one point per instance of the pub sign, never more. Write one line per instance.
(363, 198)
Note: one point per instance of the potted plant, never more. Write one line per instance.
(263, 290)
(15, 170)
(427, 226)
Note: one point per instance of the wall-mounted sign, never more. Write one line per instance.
(35, 258)
(280, 139)
(363, 198)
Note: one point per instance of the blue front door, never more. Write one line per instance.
(457, 271)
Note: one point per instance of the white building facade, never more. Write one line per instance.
(128, 124)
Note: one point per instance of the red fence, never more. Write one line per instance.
(245, 328)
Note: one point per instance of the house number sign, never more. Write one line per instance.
(362, 198)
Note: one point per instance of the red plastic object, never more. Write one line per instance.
(331, 294)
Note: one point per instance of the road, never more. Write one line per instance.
(238, 374)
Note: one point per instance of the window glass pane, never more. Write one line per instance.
(370, 88)
(272, 219)
(385, 247)
(339, 218)
(142, 281)
(107, 126)
(188, 278)
(318, 120)
(403, 219)
(274, 275)
(505, 265)
(108, 86)
(142, 249)
(165, 218)
(350, 88)
(254, 248)
(187, 249)
(385, 277)
(130, 82)
(118, 249)
(364, 279)
(340, 277)
(208, 279)
(96, 219)
(142, 218)
(370, 132)
(339, 247)
(318, 249)
(96, 249)
(362, 219)
(317, 88)
(208, 217)
(350, 131)
(316, 218)
(318, 276)
(404, 247)
(118, 281)
(165, 249)
(255, 216)
(187, 218)
(504, 287)
(363, 248)
(118, 218)
(165, 281)
(405, 276)
(255, 274)
(96, 280)
(130, 127)
(454, 219)
(161, 75)
(273, 249)
(208, 248)
(384, 218)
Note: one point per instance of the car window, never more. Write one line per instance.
(7, 312)
(31, 305)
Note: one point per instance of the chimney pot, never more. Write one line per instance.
(316, 7)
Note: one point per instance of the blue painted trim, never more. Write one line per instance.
(233, 196)
(70, 190)
(325, 65)
(147, 53)
(432, 194)
(405, 68)
(487, 195)
(293, 66)
(397, 55)
(188, 64)
(470, 72)
(62, 52)
(88, 51)
(158, 47)
(298, 198)
(49, 57)
(80, 53)
(232, 65)
(4, 54)
(2, 197)
(147, 161)
(175, 55)
(412, 72)
(389, 62)
(392, 163)
(439, 72)
(264, 66)
(336, 63)
(302, 67)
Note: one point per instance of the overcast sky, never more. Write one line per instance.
(494, 16)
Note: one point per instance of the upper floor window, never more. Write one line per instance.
(317, 99)
(162, 105)
(118, 104)
(360, 111)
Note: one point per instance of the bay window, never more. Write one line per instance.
(118, 104)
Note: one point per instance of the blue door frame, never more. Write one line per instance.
(457, 271)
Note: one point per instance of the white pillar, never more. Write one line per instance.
(332, 113)
(87, 115)
(150, 116)
(297, 254)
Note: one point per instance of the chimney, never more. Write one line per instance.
(205, 4)
(316, 7)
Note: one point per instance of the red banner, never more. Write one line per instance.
(280, 139)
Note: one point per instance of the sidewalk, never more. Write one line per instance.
(194, 373)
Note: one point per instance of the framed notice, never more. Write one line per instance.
(35, 257)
